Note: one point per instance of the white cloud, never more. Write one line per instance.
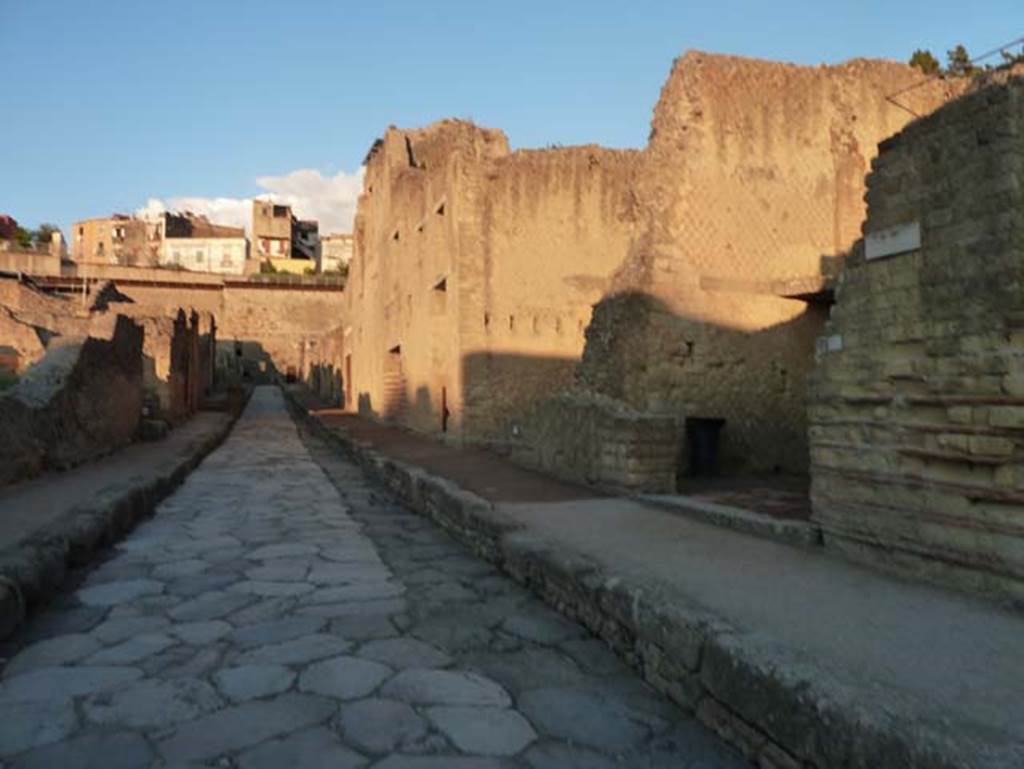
(329, 199)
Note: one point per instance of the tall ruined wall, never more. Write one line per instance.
(177, 356)
(917, 405)
(275, 325)
(283, 323)
(555, 225)
(80, 400)
(656, 359)
(476, 269)
(751, 191)
(177, 348)
(417, 215)
(474, 273)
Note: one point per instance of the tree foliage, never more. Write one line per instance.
(44, 234)
(1010, 58)
(959, 62)
(926, 62)
(38, 239)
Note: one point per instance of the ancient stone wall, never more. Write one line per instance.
(751, 188)
(468, 295)
(177, 355)
(273, 325)
(476, 269)
(279, 325)
(554, 226)
(39, 331)
(417, 215)
(30, 262)
(79, 401)
(598, 440)
(325, 374)
(660, 362)
(917, 404)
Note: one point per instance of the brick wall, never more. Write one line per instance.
(80, 401)
(917, 405)
(594, 439)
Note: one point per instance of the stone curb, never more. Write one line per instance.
(36, 568)
(781, 712)
(799, 533)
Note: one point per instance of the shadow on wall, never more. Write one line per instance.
(502, 391)
(365, 406)
(643, 406)
(750, 370)
(245, 361)
(648, 376)
(78, 402)
(326, 381)
(178, 365)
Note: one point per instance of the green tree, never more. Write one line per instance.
(1010, 58)
(926, 62)
(44, 234)
(24, 238)
(959, 62)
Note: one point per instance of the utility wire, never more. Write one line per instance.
(930, 78)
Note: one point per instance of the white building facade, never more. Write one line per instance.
(224, 255)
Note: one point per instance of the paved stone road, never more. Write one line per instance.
(271, 615)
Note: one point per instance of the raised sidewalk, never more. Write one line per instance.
(58, 520)
(799, 658)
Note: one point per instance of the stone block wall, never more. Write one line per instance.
(595, 439)
(49, 343)
(177, 357)
(477, 269)
(752, 190)
(275, 325)
(658, 358)
(468, 293)
(79, 401)
(325, 368)
(917, 404)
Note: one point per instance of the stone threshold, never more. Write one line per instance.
(34, 567)
(766, 700)
(789, 531)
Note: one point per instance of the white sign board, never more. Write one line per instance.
(892, 240)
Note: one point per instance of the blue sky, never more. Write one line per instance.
(109, 104)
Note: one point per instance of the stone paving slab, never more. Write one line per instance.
(795, 656)
(57, 521)
(134, 667)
